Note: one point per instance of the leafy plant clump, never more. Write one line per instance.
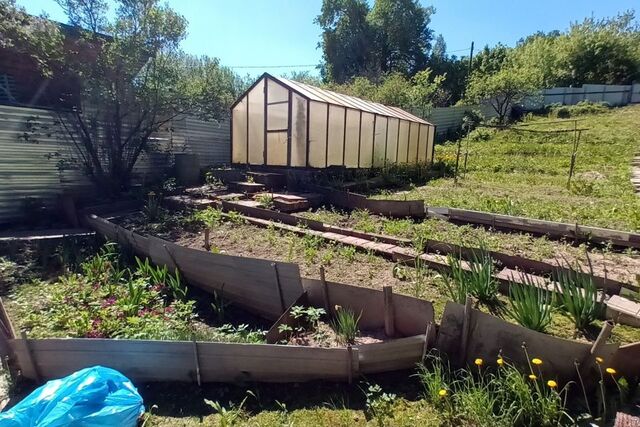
(503, 396)
(109, 299)
(345, 324)
(578, 297)
(529, 305)
(474, 278)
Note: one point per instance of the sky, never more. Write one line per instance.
(254, 35)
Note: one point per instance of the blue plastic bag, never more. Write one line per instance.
(95, 396)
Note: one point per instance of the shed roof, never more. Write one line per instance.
(322, 95)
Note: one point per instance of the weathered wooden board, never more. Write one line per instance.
(402, 353)
(411, 314)
(263, 286)
(555, 229)
(489, 335)
(273, 334)
(149, 361)
(626, 360)
(392, 208)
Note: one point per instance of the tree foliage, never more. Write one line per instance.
(359, 41)
(35, 36)
(133, 80)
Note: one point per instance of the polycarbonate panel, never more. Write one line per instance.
(336, 136)
(366, 140)
(352, 136)
(318, 134)
(423, 141)
(278, 116)
(323, 95)
(413, 143)
(432, 140)
(239, 132)
(256, 124)
(392, 141)
(403, 141)
(298, 131)
(277, 148)
(380, 141)
(276, 92)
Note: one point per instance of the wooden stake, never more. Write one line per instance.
(349, 363)
(29, 357)
(603, 336)
(4, 317)
(466, 325)
(389, 315)
(196, 359)
(207, 244)
(325, 292)
(427, 336)
(279, 285)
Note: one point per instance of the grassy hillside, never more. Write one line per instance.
(519, 173)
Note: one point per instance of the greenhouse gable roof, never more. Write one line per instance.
(322, 95)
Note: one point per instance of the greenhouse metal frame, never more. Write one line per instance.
(283, 123)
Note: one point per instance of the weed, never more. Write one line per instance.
(379, 403)
(345, 324)
(308, 317)
(153, 207)
(231, 416)
(265, 200)
(348, 253)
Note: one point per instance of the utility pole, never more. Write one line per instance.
(469, 70)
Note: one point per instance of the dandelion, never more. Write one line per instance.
(533, 377)
(552, 384)
(442, 393)
(611, 371)
(478, 362)
(599, 360)
(500, 361)
(536, 361)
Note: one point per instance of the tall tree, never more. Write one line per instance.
(346, 39)
(403, 38)
(134, 81)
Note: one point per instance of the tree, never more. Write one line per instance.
(136, 81)
(346, 40)
(501, 89)
(402, 34)
(35, 36)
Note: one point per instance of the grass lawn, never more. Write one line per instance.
(518, 173)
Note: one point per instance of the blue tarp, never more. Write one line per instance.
(95, 396)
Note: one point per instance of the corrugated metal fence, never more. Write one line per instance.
(449, 119)
(33, 150)
(616, 95)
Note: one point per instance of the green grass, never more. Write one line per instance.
(526, 173)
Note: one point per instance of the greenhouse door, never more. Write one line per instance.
(278, 102)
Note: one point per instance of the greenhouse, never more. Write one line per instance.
(280, 122)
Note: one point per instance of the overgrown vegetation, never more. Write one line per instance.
(524, 173)
(109, 297)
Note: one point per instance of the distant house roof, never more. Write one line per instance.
(322, 95)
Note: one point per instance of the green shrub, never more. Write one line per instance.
(581, 108)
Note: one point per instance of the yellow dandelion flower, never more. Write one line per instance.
(500, 361)
(442, 393)
(552, 384)
(611, 371)
(536, 361)
(599, 360)
(478, 362)
(532, 377)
